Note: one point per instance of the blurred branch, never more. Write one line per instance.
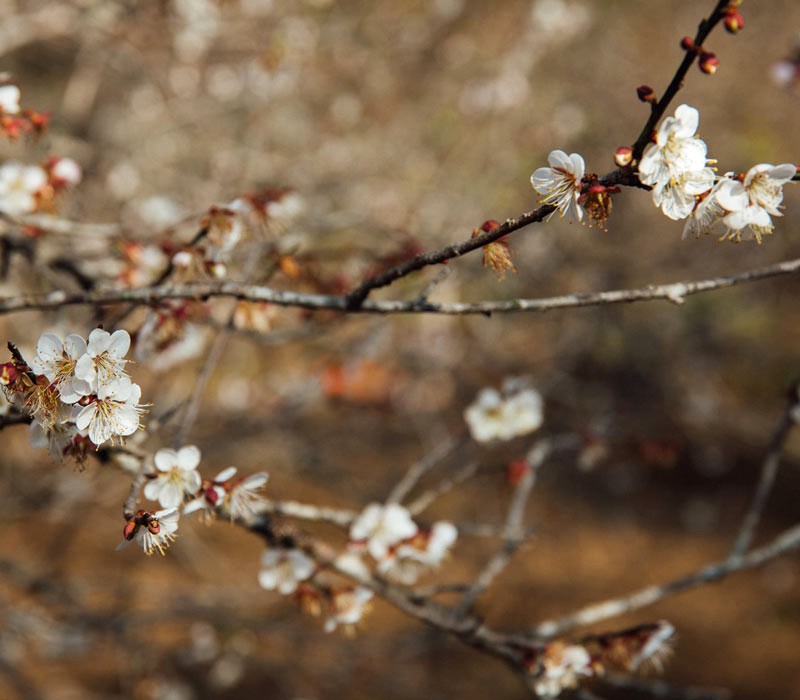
(769, 470)
(675, 292)
(417, 470)
(787, 541)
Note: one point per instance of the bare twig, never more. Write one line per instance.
(446, 485)
(417, 470)
(305, 511)
(769, 470)
(514, 533)
(787, 541)
(675, 292)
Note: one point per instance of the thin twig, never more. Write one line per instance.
(446, 485)
(419, 468)
(769, 470)
(675, 292)
(787, 541)
(513, 532)
(305, 511)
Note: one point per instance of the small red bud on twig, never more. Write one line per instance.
(646, 94)
(709, 63)
(733, 21)
(623, 156)
(687, 43)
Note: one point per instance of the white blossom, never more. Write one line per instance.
(752, 201)
(348, 608)
(494, 416)
(284, 569)
(113, 413)
(9, 99)
(159, 532)
(176, 476)
(563, 665)
(104, 360)
(707, 212)
(678, 196)
(676, 150)
(382, 527)
(18, 186)
(66, 171)
(242, 500)
(423, 552)
(560, 184)
(56, 360)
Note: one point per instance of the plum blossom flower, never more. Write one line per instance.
(153, 531)
(284, 569)
(348, 608)
(752, 201)
(9, 99)
(57, 360)
(496, 416)
(561, 667)
(104, 360)
(560, 184)
(382, 527)
(114, 412)
(678, 196)
(421, 553)
(176, 476)
(19, 184)
(676, 150)
(239, 498)
(706, 213)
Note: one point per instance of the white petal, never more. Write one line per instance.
(687, 121)
(732, 195)
(49, 347)
(225, 475)
(559, 159)
(74, 346)
(188, 458)
(165, 459)
(118, 344)
(99, 340)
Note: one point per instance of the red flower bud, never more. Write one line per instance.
(733, 21)
(708, 62)
(646, 93)
(687, 43)
(623, 156)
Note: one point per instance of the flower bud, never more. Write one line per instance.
(129, 531)
(646, 94)
(733, 21)
(709, 63)
(623, 156)
(687, 43)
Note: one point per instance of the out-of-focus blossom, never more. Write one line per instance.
(560, 184)
(176, 476)
(239, 498)
(19, 184)
(496, 416)
(284, 569)
(9, 99)
(561, 668)
(382, 527)
(64, 172)
(348, 607)
(424, 551)
(752, 201)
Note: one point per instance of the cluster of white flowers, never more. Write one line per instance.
(400, 548)
(493, 415)
(23, 188)
(676, 166)
(80, 389)
(685, 188)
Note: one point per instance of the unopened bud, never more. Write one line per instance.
(709, 63)
(8, 373)
(687, 43)
(130, 529)
(734, 21)
(623, 156)
(646, 94)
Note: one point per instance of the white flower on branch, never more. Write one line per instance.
(19, 184)
(176, 476)
(676, 150)
(153, 531)
(9, 99)
(678, 196)
(113, 412)
(239, 498)
(284, 569)
(382, 527)
(496, 416)
(104, 360)
(423, 552)
(752, 201)
(560, 184)
(706, 213)
(348, 608)
(561, 668)
(57, 360)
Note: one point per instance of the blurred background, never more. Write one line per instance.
(403, 125)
